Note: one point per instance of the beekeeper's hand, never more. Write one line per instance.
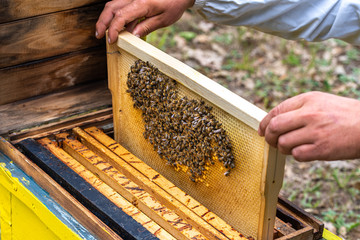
(125, 14)
(315, 126)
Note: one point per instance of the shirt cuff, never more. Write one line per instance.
(199, 4)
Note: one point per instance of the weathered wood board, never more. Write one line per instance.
(102, 117)
(299, 217)
(53, 107)
(48, 35)
(12, 10)
(52, 74)
(247, 198)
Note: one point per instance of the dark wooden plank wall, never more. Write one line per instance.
(49, 45)
(51, 74)
(12, 10)
(52, 107)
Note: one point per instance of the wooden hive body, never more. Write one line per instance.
(247, 198)
(53, 78)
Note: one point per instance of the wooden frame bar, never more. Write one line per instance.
(154, 177)
(115, 218)
(106, 190)
(199, 222)
(165, 217)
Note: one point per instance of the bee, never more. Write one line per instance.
(183, 131)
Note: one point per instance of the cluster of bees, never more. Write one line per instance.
(183, 131)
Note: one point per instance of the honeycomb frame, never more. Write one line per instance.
(247, 198)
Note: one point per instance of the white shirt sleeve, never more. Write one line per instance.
(312, 20)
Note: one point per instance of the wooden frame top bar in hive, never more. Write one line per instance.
(247, 198)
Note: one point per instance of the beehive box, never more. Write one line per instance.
(28, 212)
(53, 78)
(247, 198)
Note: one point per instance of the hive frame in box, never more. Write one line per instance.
(263, 183)
(60, 195)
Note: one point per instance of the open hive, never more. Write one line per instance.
(246, 199)
(132, 198)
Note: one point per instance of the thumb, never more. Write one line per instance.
(149, 25)
(288, 105)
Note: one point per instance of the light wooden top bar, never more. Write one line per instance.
(204, 86)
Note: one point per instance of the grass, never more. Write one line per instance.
(163, 39)
(239, 62)
(223, 38)
(292, 59)
(329, 192)
(187, 35)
